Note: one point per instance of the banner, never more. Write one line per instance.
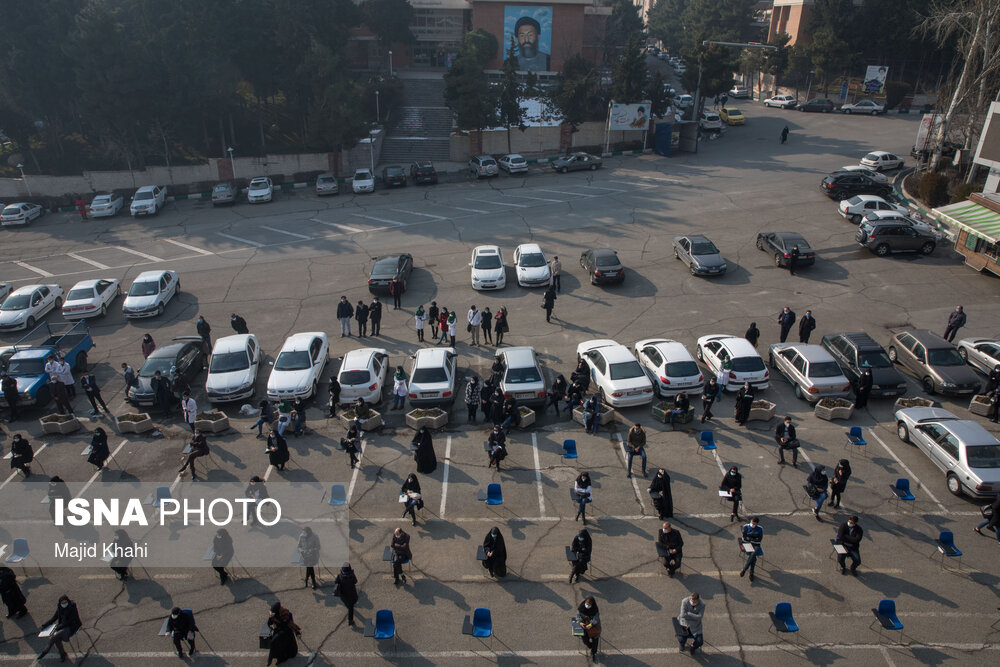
(875, 79)
(629, 116)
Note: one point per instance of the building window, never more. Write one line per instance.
(991, 250)
(972, 242)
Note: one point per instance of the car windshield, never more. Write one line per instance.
(26, 367)
(801, 243)
(516, 159)
(874, 157)
(824, 369)
(747, 364)
(487, 261)
(80, 293)
(854, 201)
(292, 361)
(533, 259)
(11, 210)
(221, 189)
(258, 185)
(704, 248)
(385, 267)
(104, 199)
(144, 289)
(874, 359)
(325, 179)
(394, 171)
(983, 456)
(144, 195)
(607, 260)
(489, 162)
(522, 375)
(227, 362)
(362, 176)
(944, 357)
(678, 369)
(626, 370)
(351, 378)
(154, 364)
(429, 375)
(16, 302)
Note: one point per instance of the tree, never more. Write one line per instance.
(664, 23)
(623, 24)
(832, 50)
(467, 90)
(630, 73)
(389, 20)
(577, 93)
(657, 95)
(509, 110)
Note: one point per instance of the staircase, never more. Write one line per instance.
(423, 126)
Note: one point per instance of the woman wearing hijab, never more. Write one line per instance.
(222, 553)
(57, 490)
(744, 399)
(420, 321)
(584, 495)
(283, 634)
(181, 627)
(732, 482)
(443, 324)
(496, 407)
(309, 553)
(841, 474)
(496, 553)
(472, 398)
(708, 395)
(501, 327)
(266, 416)
(399, 380)
(487, 325)
(347, 585)
(67, 623)
(11, 594)
(21, 454)
(664, 502)
(556, 393)
(277, 449)
(497, 445)
(414, 498)
(752, 334)
(582, 547)
(99, 452)
(148, 345)
(119, 563)
(452, 326)
(424, 454)
(589, 619)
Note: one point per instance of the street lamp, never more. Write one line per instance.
(378, 114)
(371, 146)
(23, 178)
(232, 162)
(809, 84)
(390, 64)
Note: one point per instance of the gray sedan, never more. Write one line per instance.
(980, 353)
(935, 362)
(576, 162)
(700, 254)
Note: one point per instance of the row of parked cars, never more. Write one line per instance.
(823, 105)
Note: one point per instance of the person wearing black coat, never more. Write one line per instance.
(497, 446)
(375, 316)
(841, 474)
(496, 407)
(732, 482)
(11, 594)
(744, 400)
(21, 454)
(433, 312)
(849, 535)
(992, 380)
(283, 633)
(181, 627)
(487, 326)
(351, 442)
(785, 320)
(556, 393)
(238, 324)
(277, 449)
(222, 553)
(347, 587)
(414, 497)
(400, 549)
(199, 448)
(334, 399)
(709, 393)
(67, 623)
(670, 548)
(496, 553)
(549, 302)
(582, 546)
(752, 334)
(308, 548)
(424, 454)
(863, 389)
(784, 435)
(361, 315)
(993, 522)
(99, 451)
(589, 617)
(486, 399)
(161, 392)
(663, 501)
(817, 484)
(90, 387)
(119, 563)
(57, 490)
(205, 331)
(806, 326)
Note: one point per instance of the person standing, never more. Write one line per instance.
(722, 378)
(222, 553)
(189, 409)
(11, 594)
(584, 491)
(752, 334)
(863, 389)
(956, 320)
(475, 319)
(396, 289)
(670, 548)
(849, 535)
(277, 449)
(334, 393)
(58, 490)
(238, 324)
(344, 313)
(690, 617)
(589, 619)
(582, 546)
(793, 260)
(199, 448)
(443, 325)
(992, 380)
(841, 474)
(351, 443)
(433, 313)
(487, 325)
(636, 447)
(659, 491)
(58, 392)
(784, 134)
(556, 393)
(419, 322)
(308, 548)
(806, 326)
(120, 562)
(497, 446)
(785, 320)
(89, 385)
(992, 522)
(549, 302)
(994, 412)
(452, 326)
(128, 374)
(21, 454)
(205, 331)
(753, 534)
(708, 395)
(399, 389)
(496, 553)
(283, 633)
(744, 401)
(81, 208)
(181, 627)
(361, 316)
(147, 346)
(732, 483)
(817, 484)
(67, 623)
(161, 393)
(472, 398)
(784, 435)
(556, 273)
(347, 583)
(8, 386)
(54, 370)
(400, 549)
(99, 451)
(501, 327)
(375, 316)
(424, 454)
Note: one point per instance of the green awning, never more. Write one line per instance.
(973, 218)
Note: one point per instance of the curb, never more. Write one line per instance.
(912, 201)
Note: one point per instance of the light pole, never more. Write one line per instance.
(809, 84)
(371, 146)
(232, 162)
(390, 64)
(23, 178)
(378, 113)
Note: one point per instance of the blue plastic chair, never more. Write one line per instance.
(946, 547)
(19, 551)
(855, 438)
(782, 619)
(494, 496)
(707, 441)
(338, 495)
(162, 493)
(385, 625)
(886, 613)
(482, 623)
(570, 448)
(901, 489)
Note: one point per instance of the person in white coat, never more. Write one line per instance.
(398, 388)
(420, 320)
(189, 409)
(475, 318)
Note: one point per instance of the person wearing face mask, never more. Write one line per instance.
(864, 389)
(584, 495)
(841, 474)
(401, 553)
(582, 546)
(424, 453)
(496, 553)
(670, 548)
(708, 395)
(659, 492)
(785, 320)
(784, 435)
(21, 454)
(732, 483)
(309, 554)
(816, 485)
(283, 633)
(497, 446)
(11, 594)
(181, 627)
(347, 587)
(589, 618)
(58, 490)
(849, 535)
(744, 400)
(956, 320)
(119, 563)
(692, 612)
(67, 623)
(753, 534)
(414, 499)
(222, 553)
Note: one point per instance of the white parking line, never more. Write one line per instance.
(444, 476)
(23, 265)
(571, 194)
(357, 469)
(635, 485)
(468, 210)
(500, 203)
(637, 184)
(337, 225)
(554, 201)
(87, 261)
(385, 220)
(425, 215)
(140, 254)
(282, 231)
(594, 187)
(909, 472)
(189, 247)
(240, 240)
(538, 476)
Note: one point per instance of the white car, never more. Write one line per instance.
(738, 92)
(745, 364)
(530, 266)
(882, 161)
(298, 367)
(362, 375)
(363, 181)
(326, 184)
(670, 366)
(812, 370)
(26, 305)
(874, 175)
(488, 268)
(858, 206)
(513, 164)
(233, 368)
(620, 380)
(710, 121)
(148, 200)
(4, 290)
(863, 106)
(432, 376)
(685, 101)
(981, 353)
(261, 190)
(521, 375)
(106, 205)
(89, 298)
(150, 292)
(781, 101)
(20, 214)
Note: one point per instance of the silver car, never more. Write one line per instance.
(812, 370)
(966, 453)
(521, 375)
(700, 254)
(432, 376)
(935, 361)
(980, 353)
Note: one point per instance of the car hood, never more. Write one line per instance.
(284, 380)
(532, 272)
(25, 383)
(143, 203)
(144, 385)
(10, 316)
(140, 301)
(224, 381)
(80, 302)
(708, 260)
(887, 377)
(488, 274)
(956, 374)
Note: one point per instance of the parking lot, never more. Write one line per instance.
(284, 265)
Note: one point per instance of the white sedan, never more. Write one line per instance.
(858, 206)
(874, 175)
(362, 182)
(530, 266)
(261, 190)
(150, 293)
(299, 365)
(882, 161)
(863, 106)
(90, 298)
(20, 214)
(670, 366)
(362, 375)
(981, 353)
(620, 380)
(781, 101)
(513, 164)
(232, 370)
(488, 270)
(106, 205)
(26, 305)
(741, 358)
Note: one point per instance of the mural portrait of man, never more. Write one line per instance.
(531, 28)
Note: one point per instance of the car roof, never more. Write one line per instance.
(259, 179)
(864, 198)
(424, 163)
(731, 110)
(970, 432)
(104, 194)
(603, 252)
(519, 357)
(83, 284)
(739, 347)
(146, 187)
(928, 338)
(667, 346)
(514, 155)
(360, 358)
(612, 350)
(811, 353)
(150, 275)
(861, 340)
(697, 237)
(789, 236)
(168, 350)
(486, 250)
(427, 357)
(27, 289)
(362, 171)
(235, 343)
(529, 247)
(878, 153)
(300, 341)
(393, 166)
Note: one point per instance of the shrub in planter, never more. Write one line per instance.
(762, 411)
(59, 424)
(912, 402)
(980, 405)
(527, 417)
(211, 422)
(134, 423)
(369, 423)
(834, 408)
(426, 418)
(933, 189)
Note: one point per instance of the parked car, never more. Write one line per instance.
(620, 380)
(5, 289)
(233, 368)
(183, 356)
(530, 266)
(745, 363)
(432, 376)
(669, 366)
(907, 218)
(362, 375)
(25, 361)
(602, 265)
(710, 121)
(856, 352)
(106, 205)
(819, 105)
(981, 353)
(700, 255)
(296, 371)
(732, 116)
(781, 101)
(685, 101)
(576, 162)
(813, 372)
(388, 267)
(148, 200)
(513, 163)
(882, 161)
(858, 206)
(423, 171)
(362, 182)
(863, 106)
(935, 362)
(521, 376)
(843, 184)
(858, 169)
(884, 237)
(488, 268)
(89, 298)
(739, 92)
(227, 192)
(781, 245)
(393, 176)
(483, 165)
(326, 184)
(26, 305)
(20, 214)
(964, 451)
(261, 190)
(150, 293)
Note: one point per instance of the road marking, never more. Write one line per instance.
(87, 261)
(397, 223)
(267, 473)
(637, 184)
(444, 476)
(555, 201)
(909, 472)
(357, 469)
(563, 192)
(139, 254)
(635, 485)
(337, 225)
(500, 203)
(189, 247)
(282, 231)
(468, 210)
(152, 576)
(727, 573)
(538, 476)
(595, 187)
(425, 215)
(99, 471)
(241, 240)
(24, 265)
(15, 473)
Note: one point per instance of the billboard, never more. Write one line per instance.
(531, 28)
(629, 116)
(988, 150)
(875, 79)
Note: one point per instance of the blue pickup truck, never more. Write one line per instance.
(27, 363)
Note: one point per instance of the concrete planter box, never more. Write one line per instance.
(912, 402)
(661, 413)
(762, 411)
(370, 423)
(980, 405)
(59, 424)
(432, 418)
(834, 408)
(134, 423)
(527, 417)
(607, 415)
(211, 422)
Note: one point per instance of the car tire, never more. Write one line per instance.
(159, 310)
(593, 167)
(777, 259)
(874, 113)
(315, 389)
(601, 397)
(760, 243)
(698, 353)
(676, 256)
(104, 309)
(856, 219)
(927, 248)
(563, 170)
(770, 360)
(798, 392)
(892, 355)
(59, 303)
(954, 486)
(30, 324)
(882, 249)
(928, 385)
(847, 111)
(902, 432)
(693, 270)
(964, 354)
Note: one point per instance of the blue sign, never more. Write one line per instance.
(843, 91)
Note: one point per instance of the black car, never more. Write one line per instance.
(844, 184)
(394, 176)
(423, 171)
(389, 267)
(184, 356)
(818, 104)
(781, 244)
(603, 266)
(856, 352)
